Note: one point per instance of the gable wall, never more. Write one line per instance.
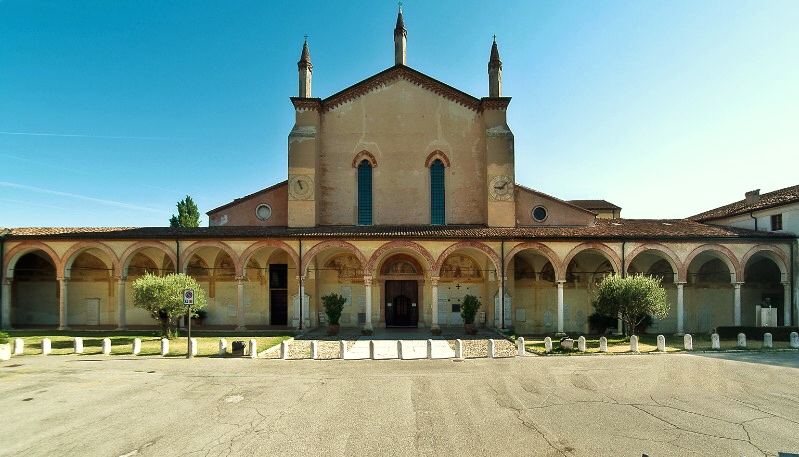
(242, 212)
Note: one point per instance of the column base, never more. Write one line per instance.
(64, 328)
(679, 334)
(121, 327)
(241, 328)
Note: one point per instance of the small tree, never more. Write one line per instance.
(632, 298)
(162, 296)
(188, 214)
(469, 308)
(334, 305)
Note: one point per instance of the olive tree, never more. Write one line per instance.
(162, 296)
(632, 298)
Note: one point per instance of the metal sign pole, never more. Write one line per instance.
(188, 300)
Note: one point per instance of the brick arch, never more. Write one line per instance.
(726, 256)
(26, 247)
(250, 251)
(364, 155)
(185, 256)
(381, 252)
(668, 255)
(436, 155)
(771, 249)
(436, 268)
(77, 249)
(609, 255)
(306, 259)
(543, 250)
(127, 256)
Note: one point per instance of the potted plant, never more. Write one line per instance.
(198, 316)
(469, 309)
(334, 305)
(5, 346)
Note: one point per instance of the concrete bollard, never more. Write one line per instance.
(458, 349)
(741, 340)
(222, 346)
(46, 346)
(164, 347)
(520, 344)
(314, 350)
(19, 346)
(254, 348)
(581, 344)
(372, 350)
(548, 345)
(342, 347)
(661, 343)
(429, 349)
(284, 350)
(193, 346)
(633, 343)
(106, 346)
(136, 346)
(715, 341)
(491, 345)
(78, 345)
(795, 340)
(603, 344)
(400, 345)
(768, 341)
(688, 342)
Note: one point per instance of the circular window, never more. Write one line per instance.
(539, 214)
(263, 212)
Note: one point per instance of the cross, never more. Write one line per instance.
(458, 287)
(306, 37)
(495, 38)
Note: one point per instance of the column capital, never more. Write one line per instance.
(561, 282)
(738, 284)
(63, 278)
(7, 281)
(681, 283)
(121, 279)
(367, 281)
(241, 279)
(786, 283)
(434, 280)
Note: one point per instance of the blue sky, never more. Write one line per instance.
(111, 111)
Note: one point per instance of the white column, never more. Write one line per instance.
(62, 304)
(122, 319)
(434, 282)
(560, 306)
(737, 303)
(367, 282)
(5, 307)
(300, 316)
(240, 307)
(680, 309)
(786, 304)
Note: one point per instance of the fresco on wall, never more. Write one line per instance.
(401, 267)
(347, 266)
(461, 267)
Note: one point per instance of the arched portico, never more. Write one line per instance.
(531, 271)
(713, 288)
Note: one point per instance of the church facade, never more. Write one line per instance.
(402, 196)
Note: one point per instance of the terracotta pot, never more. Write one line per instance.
(435, 331)
(332, 329)
(471, 329)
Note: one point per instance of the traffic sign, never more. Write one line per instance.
(188, 297)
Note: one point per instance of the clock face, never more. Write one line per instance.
(300, 187)
(501, 188)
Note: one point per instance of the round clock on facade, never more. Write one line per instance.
(300, 187)
(501, 188)
(263, 212)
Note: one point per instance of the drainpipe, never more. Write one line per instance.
(502, 291)
(753, 217)
(302, 292)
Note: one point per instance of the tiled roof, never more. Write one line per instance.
(767, 200)
(240, 199)
(627, 229)
(594, 204)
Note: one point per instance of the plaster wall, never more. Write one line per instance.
(558, 212)
(35, 303)
(242, 211)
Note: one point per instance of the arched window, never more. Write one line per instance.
(437, 193)
(365, 193)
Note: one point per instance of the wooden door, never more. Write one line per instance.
(402, 305)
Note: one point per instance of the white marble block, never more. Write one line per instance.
(46, 346)
(164, 346)
(768, 340)
(715, 341)
(688, 342)
(106, 346)
(78, 345)
(795, 340)
(342, 347)
(400, 345)
(284, 350)
(458, 349)
(136, 346)
(520, 344)
(603, 344)
(254, 348)
(741, 340)
(661, 343)
(193, 345)
(314, 350)
(490, 349)
(429, 349)
(548, 345)
(222, 346)
(568, 343)
(581, 344)
(5, 351)
(633, 343)
(19, 346)
(372, 350)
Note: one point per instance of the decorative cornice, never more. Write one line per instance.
(306, 104)
(494, 103)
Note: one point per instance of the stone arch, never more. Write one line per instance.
(771, 252)
(364, 155)
(73, 252)
(401, 246)
(542, 249)
(667, 254)
(475, 245)
(127, 256)
(609, 254)
(316, 249)
(186, 255)
(436, 155)
(724, 254)
(248, 253)
(26, 247)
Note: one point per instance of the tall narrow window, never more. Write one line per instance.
(776, 222)
(365, 193)
(437, 193)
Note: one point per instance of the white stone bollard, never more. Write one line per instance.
(568, 343)
(19, 346)
(795, 340)
(429, 349)
(548, 345)
(372, 349)
(78, 345)
(314, 350)
(254, 348)
(222, 346)
(164, 347)
(768, 340)
(688, 342)
(458, 349)
(193, 346)
(603, 344)
(715, 341)
(106, 346)
(741, 340)
(284, 350)
(491, 345)
(400, 348)
(136, 346)
(581, 344)
(633, 343)
(46, 346)
(342, 347)
(520, 344)
(661, 343)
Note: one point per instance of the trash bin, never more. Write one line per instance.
(238, 348)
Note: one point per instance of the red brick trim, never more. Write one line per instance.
(127, 256)
(364, 155)
(79, 248)
(726, 255)
(542, 249)
(773, 253)
(436, 155)
(666, 254)
(348, 247)
(250, 251)
(185, 256)
(14, 254)
(607, 252)
(490, 253)
(400, 246)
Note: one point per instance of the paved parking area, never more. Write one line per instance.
(662, 405)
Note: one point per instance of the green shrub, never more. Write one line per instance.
(334, 305)
(4, 339)
(469, 308)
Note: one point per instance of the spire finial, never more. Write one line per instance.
(495, 37)
(306, 38)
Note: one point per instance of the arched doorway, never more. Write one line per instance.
(401, 290)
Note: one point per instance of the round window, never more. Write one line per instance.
(263, 212)
(539, 214)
